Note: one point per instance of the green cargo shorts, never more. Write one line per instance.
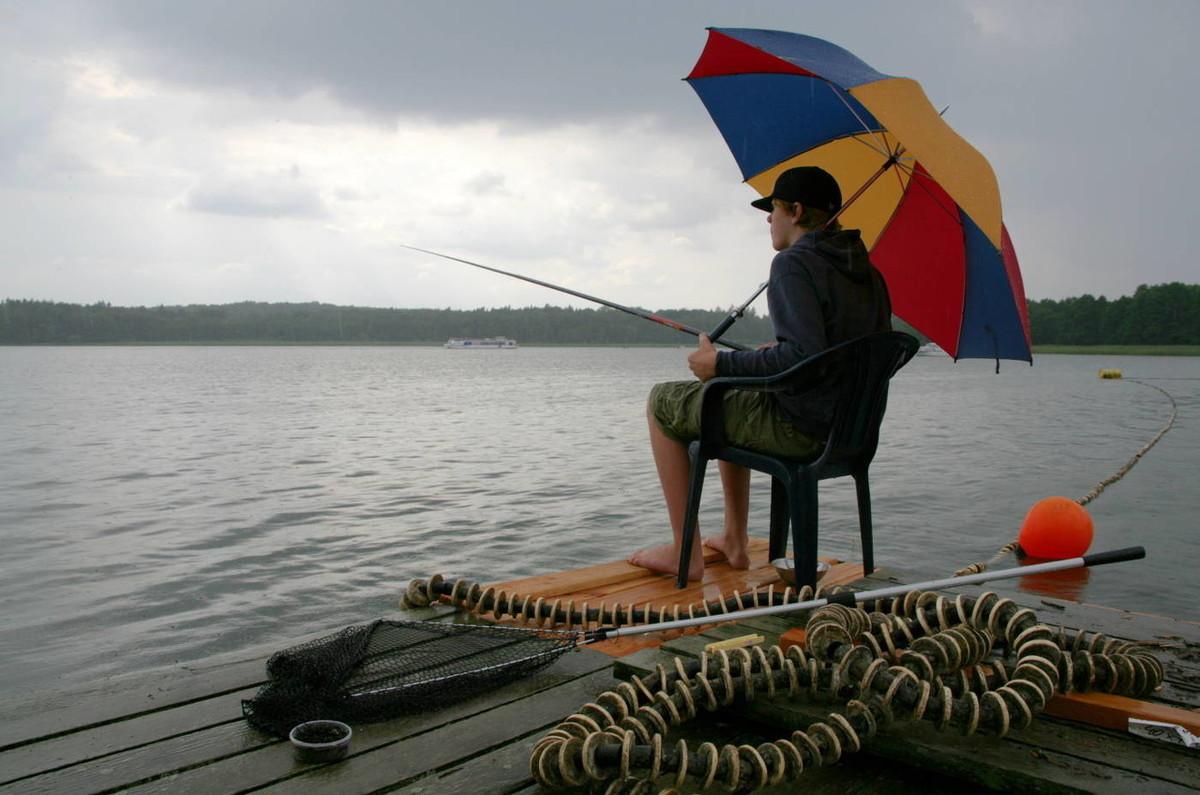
(752, 420)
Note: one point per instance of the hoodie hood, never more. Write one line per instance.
(843, 249)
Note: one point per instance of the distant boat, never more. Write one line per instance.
(929, 349)
(476, 342)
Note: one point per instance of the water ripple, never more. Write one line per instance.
(201, 500)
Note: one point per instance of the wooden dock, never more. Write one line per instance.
(182, 731)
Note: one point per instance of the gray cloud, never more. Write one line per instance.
(1078, 105)
(487, 183)
(449, 61)
(35, 98)
(275, 196)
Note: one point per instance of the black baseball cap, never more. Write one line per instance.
(809, 185)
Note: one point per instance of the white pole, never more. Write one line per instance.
(851, 598)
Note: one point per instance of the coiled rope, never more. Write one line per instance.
(920, 657)
(1097, 490)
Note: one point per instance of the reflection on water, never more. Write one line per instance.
(1069, 584)
(165, 504)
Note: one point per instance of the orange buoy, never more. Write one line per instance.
(1056, 528)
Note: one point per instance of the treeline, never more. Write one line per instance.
(25, 322)
(1164, 314)
(1161, 314)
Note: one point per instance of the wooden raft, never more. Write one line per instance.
(628, 584)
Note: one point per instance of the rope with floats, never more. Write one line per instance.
(977, 664)
(1098, 489)
(1120, 473)
(919, 657)
(543, 612)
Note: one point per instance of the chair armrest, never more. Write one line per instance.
(812, 369)
(712, 404)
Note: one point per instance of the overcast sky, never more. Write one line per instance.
(209, 152)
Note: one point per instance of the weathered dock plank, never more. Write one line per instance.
(142, 763)
(1154, 760)
(150, 724)
(448, 746)
(230, 756)
(46, 714)
(499, 772)
(101, 741)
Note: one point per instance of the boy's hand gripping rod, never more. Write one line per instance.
(662, 321)
(850, 598)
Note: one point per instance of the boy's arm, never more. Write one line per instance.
(798, 320)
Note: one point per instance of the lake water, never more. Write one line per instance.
(164, 504)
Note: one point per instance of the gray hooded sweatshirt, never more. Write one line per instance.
(823, 290)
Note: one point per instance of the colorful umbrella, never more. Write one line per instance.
(926, 201)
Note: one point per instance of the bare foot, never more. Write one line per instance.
(733, 549)
(665, 559)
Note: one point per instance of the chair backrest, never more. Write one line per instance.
(862, 369)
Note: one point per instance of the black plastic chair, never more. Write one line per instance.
(858, 371)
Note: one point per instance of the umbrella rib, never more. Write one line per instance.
(913, 178)
(883, 148)
(889, 153)
(857, 138)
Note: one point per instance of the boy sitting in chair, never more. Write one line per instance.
(823, 290)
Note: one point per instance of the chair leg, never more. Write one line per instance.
(803, 504)
(692, 514)
(779, 519)
(863, 487)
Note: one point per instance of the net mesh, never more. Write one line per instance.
(377, 671)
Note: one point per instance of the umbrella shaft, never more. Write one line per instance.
(887, 164)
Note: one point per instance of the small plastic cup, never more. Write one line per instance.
(321, 740)
(786, 567)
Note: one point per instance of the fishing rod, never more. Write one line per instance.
(662, 321)
(734, 314)
(851, 598)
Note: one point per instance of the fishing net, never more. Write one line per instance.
(380, 670)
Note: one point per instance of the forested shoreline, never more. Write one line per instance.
(1161, 314)
(24, 322)
(1165, 314)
